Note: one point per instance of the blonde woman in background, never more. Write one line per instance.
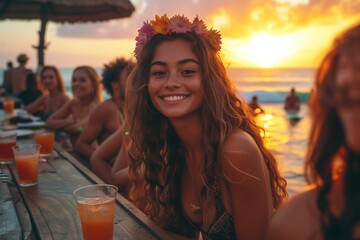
(87, 93)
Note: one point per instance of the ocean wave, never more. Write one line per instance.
(271, 96)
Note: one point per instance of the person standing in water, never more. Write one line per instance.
(292, 102)
(255, 107)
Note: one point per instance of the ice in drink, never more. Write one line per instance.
(96, 206)
(97, 218)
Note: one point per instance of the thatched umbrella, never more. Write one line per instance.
(62, 11)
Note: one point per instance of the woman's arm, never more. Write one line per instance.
(85, 144)
(119, 172)
(248, 190)
(60, 119)
(36, 106)
(103, 157)
(77, 126)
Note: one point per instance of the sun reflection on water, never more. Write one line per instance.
(287, 140)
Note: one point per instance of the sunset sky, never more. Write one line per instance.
(256, 33)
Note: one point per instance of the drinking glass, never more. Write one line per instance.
(7, 141)
(27, 163)
(8, 104)
(96, 207)
(46, 140)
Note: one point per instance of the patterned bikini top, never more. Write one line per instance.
(223, 226)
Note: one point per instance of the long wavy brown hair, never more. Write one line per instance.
(327, 138)
(156, 152)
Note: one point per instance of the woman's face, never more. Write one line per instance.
(81, 85)
(48, 79)
(348, 101)
(175, 79)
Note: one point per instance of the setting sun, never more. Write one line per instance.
(266, 50)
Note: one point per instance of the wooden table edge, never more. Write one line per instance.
(125, 204)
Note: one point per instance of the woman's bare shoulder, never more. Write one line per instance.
(304, 200)
(64, 97)
(72, 104)
(241, 157)
(298, 218)
(105, 108)
(240, 141)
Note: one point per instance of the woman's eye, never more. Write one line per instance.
(82, 80)
(158, 73)
(188, 72)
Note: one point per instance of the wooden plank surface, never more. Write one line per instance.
(53, 208)
(10, 227)
(126, 206)
(22, 213)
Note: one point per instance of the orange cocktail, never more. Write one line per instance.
(46, 140)
(27, 163)
(96, 206)
(7, 141)
(97, 218)
(27, 167)
(8, 104)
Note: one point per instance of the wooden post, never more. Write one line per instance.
(41, 47)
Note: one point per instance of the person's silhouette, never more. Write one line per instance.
(254, 105)
(292, 102)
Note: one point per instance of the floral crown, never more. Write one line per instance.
(176, 24)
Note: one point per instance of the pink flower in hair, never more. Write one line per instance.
(180, 24)
(144, 35)
(177, 24)
(199, 26)
(214, 38)
(145, 32)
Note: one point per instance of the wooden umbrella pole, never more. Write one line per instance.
(41, 46)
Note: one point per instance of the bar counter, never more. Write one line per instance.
(48, 210)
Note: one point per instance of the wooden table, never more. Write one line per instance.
(49, 211)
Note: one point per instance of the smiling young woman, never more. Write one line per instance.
(197, 160)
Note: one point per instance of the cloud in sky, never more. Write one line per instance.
(235, 19)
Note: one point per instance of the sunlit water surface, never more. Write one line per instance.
(288, 141)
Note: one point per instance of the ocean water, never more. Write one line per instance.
(288, 140)
(272, 85)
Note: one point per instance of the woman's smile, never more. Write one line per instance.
(174, 98)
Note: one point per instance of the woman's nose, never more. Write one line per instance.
(172, 81)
